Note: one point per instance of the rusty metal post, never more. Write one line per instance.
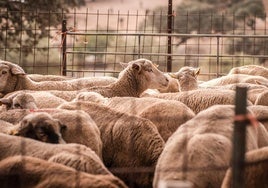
(63, 43)
(239, 138)
(169, 31)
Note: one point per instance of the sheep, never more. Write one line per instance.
(40, 126)
(31, 172)
(166, 115)
(68, 126)
(183, 80)
(262, 98)
(200, 150)
(19, 100)
(40, 77)
(13, 78)
(76, 156)
(250, 70)
(200, 99)
(254, 90)
(255, 172)
(30, 100)
(136, 77)
(234, 78)
(129, 142)
(14, 116)
(261, 113)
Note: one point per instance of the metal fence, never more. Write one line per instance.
(97, 41)
(89, 43)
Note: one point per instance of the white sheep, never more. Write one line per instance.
(20, 100)
(201, 99)
(183, 80)
(261, 114)
(55, 126)
(40, 77)
(200, 150)
(166, 115)
(234, 78)
(253, 90)
(76, 156)
(129, 142)
(14, 78)
(136, 77)
(32, 172)
(255, 172)
(26, 99)
(262, 98)
(250, 70)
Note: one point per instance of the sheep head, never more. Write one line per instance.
(19, 101)
(146, 74)
(8, 76)
(41, 126)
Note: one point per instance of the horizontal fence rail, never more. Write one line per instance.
(141, 36)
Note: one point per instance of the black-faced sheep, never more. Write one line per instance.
(200, 150)
(30, 172)
(76, 156)
(41, 124)
(129, 142)
(255, 172)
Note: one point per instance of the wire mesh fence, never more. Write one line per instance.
(216, 43)
(93, 44)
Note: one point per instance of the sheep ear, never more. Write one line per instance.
(137, 67)
(24, 128)
(16, 70)
(6, 101)
(14, 132)
(124, 65)
(172, 75)
(63, 127)
(197, 71)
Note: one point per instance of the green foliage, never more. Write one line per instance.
(25, 23)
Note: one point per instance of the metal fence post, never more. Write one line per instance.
(63, 43)
(239, 138)
(169, 31)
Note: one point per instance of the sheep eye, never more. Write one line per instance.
(150, 70)
(17, 105)
(4, 72)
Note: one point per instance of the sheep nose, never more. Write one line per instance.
(167, 79)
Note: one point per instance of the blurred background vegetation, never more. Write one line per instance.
(31, 37)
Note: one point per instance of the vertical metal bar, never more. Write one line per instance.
(218, 56)
(239, 138)
(63, 42)
(139, 49)
(169, 31)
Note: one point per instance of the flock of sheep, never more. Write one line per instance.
(142, 129)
